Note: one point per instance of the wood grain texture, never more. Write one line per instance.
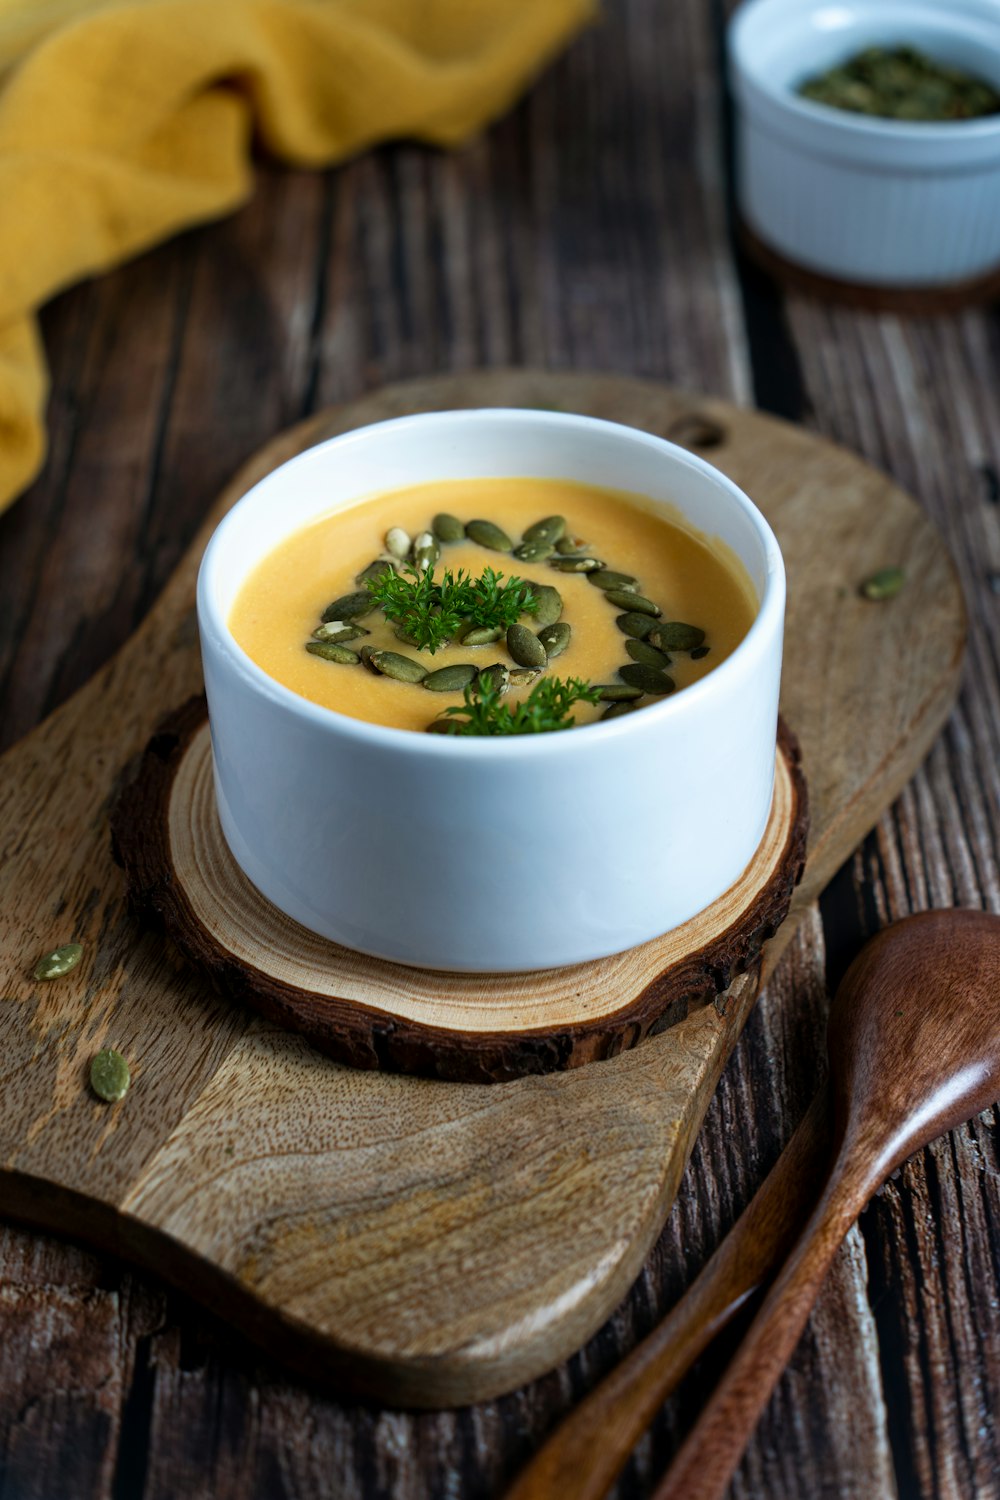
(368, 1013)
(293, 1243)
(589, 230)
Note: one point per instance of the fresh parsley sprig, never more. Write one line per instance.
(431, 610)
(547, 707)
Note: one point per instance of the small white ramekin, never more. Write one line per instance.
(881, 203)
(492, 854)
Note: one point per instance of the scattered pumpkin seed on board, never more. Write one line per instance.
(885, 584)
(109, 1075)
(59, 962)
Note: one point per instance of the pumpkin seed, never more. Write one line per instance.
(450, 679)
(625, 599)
(674, 635)
(339, 631)
(635, 625)
(615, 710)
(109, 1076)
(374, 571)
(59, 962)
(574, 564)
(608, 579)
(526, 649)
(551, 529)
(397, 542)
(426, 551)
(443, 726)
(699, 652)
(447, 528)
(399, 668)
(521, 676)
(405, 637)
(497, 675)
(479, 635)
(331, 651)
(555, 638)
(349, 607)
(549, 604)
(618, 692)
(885, 584)
(533, 551)
(569, 544)
(485, 534)
(647, 678)
(642, 651)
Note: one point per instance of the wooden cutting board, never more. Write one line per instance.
(426, 1243)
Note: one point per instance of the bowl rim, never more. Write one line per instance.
(770, 608)
(847, 123)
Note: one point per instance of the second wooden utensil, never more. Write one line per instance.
(914, 1047)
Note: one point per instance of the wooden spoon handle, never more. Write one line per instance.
(704, 1466)
(586, 1452)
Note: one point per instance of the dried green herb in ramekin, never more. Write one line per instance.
(901, 83)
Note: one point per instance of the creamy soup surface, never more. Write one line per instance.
(692, 578)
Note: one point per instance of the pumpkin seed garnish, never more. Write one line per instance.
(392, 664)
(526, 649)
(533, 551)
(521, 676)
(496, 676)
(550, 604)
(450, 679)
(331, 651)
(625, 706)
(698, 653)
(447, 528)
(885, 584)
(443, 726)
(635, 624)
(426, 550)
(618, 692)
(574, 564)
(485, 534)
(340, 631)
(109, 1076)
(642, 651)
(349, 607)
(624, 599)
(375, 570)
(569, 544)
(646, 678)
(397, 542)
(479, 635)
(674, 635)
(59, 962)
(607, 578)
(555, 638)
(551, 529)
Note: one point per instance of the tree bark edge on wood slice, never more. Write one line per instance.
(366, 1036)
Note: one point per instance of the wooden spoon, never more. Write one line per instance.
(914, 1045)
(909, 987)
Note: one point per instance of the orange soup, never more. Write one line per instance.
(682, 605)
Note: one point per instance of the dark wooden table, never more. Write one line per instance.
(590, 229)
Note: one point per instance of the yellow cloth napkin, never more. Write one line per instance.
(123, 122)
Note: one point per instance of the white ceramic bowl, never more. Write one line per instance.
(485, 854)
(870, 201)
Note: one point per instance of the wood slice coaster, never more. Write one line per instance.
(370, 1013)
(911, 301)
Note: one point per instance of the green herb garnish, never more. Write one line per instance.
(547, 707)
(429, 610)
(902, 84)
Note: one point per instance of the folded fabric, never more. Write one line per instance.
(123, 122)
